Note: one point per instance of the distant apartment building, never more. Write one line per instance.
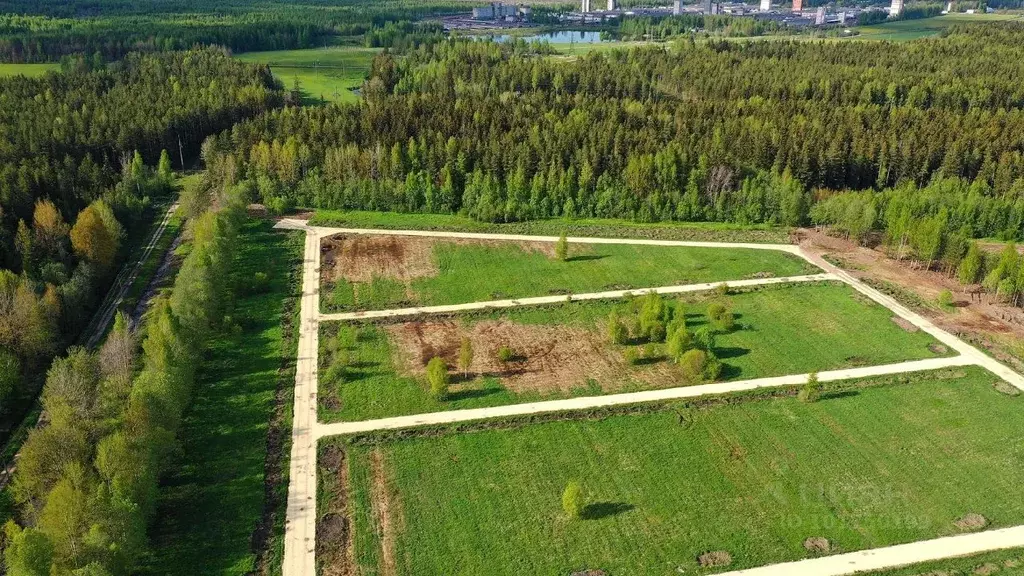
(798, 5)
(896, 8)
(766, 5)
(612, 5)
(819, 16)
(585, 6)
(677, 7)
(499, 11)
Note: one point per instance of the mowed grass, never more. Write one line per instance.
(30, 70)
(478, 272)
(782, 330)
(873, 467)
(213, 497)
(324, 74)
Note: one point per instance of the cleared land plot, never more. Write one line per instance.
(868, 467)
(324, 74)
(904, 30)
(564, 350)
(370, 272)
(30, 70)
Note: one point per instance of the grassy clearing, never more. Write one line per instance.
(593, 227)
(905, 30)
(214, 499)
(152, 264)
(324, 74)
(1002, 563)
(784, 330)
(30, 70)
(478, 272)
(870, 468)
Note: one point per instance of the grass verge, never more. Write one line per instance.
(213, 507)
(595, 227)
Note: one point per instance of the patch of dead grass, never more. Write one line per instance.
(714, 559)
(386, 511)
(548, 358)
(970, 522)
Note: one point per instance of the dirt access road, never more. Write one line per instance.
(300, 528)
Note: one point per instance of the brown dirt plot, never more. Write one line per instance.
(334, 540)
(386, 510)
(548, 358)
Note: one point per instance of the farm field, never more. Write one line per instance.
(751, 481)
(213, 499)
(378, 272)
(564, 350)
(324, 74)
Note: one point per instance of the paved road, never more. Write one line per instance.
(299, 558)
(585, 402)
(300, 523)
(612, 294)
(123, 283)
(895, 556)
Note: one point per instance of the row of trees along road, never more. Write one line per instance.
(75, 188)
(86, 482)
(753, 132)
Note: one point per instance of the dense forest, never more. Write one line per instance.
(75, 184)
(741, 132)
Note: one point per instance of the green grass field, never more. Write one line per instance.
(30, 70)
(478, 272)
(594, 227)
(213, 497)
(324, 74)
(905, 30)
(871, 467)
(786, 330)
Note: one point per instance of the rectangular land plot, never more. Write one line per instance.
(869, 467)
(368, 272)
(564, 350)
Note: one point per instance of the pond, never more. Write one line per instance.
(559, 37)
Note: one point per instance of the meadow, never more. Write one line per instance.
(30, 70)
(213, 498)
(906, 30)
(473, 272)
(780, 330)
(329, 74)
(869, 467)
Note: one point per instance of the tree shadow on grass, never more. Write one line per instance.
(470, 394)
(731, 352)
(729, 372)
(599, 510)
(586, 257)
(838, 395)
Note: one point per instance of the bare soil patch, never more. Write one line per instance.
(907, 325)
(986, 569)
(547, 358)
(970, 522)
(817, 545)
(1005, 387)
(715, 559)
(334, 542)
(384, 504)
(363, 257)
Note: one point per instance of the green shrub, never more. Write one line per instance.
(573, 502)
(562, 248)
(720, 316)
(945, 299)
(260, 283)
(704, 338)
(692, 363)
(617, 332)
(679, 343)
(465, 356)
(722, 289)
(506, 354)
(437, 377)
(811, 392)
